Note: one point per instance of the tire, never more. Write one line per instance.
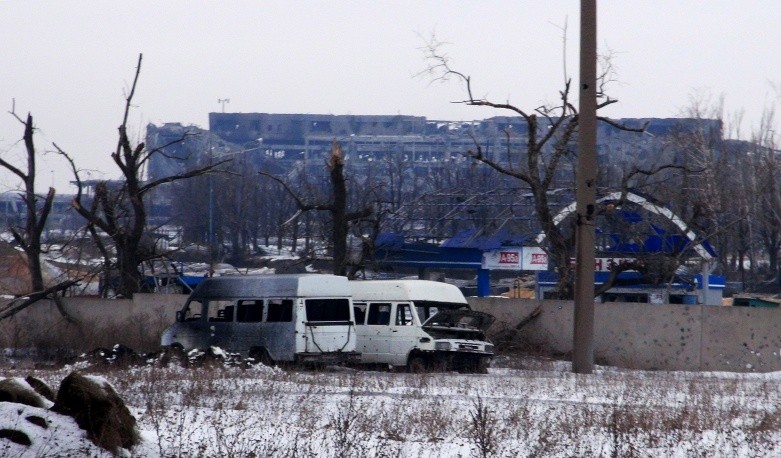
(417, 365)
(482, 365)
(261, 356)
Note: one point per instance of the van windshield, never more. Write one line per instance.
(328, 310)
(427, 309)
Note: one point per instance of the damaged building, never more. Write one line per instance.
(286, 138)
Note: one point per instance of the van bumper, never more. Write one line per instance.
(337, 357)
(466, 362)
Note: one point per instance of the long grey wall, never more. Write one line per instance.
(94, 323)
(643, 336)
(640, 336)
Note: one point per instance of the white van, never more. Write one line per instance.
(421, 325)
(306, 318)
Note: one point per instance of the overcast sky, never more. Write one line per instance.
(70, 62)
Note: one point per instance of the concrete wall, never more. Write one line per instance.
(136, 323)
(641, 336)
(644, 336)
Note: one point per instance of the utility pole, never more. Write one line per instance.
(585, 193)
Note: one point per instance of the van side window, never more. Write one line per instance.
(221, 311)
(193, 311)
(403, 315)
(328, 310)
(359, 308)
(280, 310)
(249, 311)
(379, 314)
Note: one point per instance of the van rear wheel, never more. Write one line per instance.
(417, 365)
(261, 355)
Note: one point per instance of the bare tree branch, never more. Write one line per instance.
(22, 303)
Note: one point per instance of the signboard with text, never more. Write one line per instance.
(523, 258)
(535, 258)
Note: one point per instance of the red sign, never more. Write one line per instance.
(539, 258)
(509, 257)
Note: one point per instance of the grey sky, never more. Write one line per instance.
(69, 62)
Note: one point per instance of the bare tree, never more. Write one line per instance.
(765, 172)
(120, 211)
(550, 139)
(37, 209)
(726, 192)
(336, 206)
(29, 238)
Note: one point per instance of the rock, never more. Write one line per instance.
(38, 421)
(16, 436)
(15, 390)
(40, 387)
(98, 409)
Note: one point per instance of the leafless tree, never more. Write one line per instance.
(724, 184)
(765, 173)
(550, 139)
(336, 205)
(120, 211)
(37, 208)
(29, 237)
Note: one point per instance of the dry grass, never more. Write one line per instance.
(263, 412)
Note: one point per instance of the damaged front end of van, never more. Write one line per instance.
(458, 342)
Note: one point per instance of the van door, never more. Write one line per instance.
(374, 336)
(247, 327)
(329, 325)
(404, 333)
(278, 333)
(220, 325)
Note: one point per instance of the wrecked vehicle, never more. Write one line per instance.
(421, 325)
(302, 318)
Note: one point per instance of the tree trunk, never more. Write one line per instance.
(130, 278)
(339, 211)
(294, 236)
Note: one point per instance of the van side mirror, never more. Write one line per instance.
(179, 315)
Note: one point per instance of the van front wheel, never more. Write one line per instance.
(417, 365)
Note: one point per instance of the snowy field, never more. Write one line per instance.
(525, 408)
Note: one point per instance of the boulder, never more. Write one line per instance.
(41, 387)
(16, 436)
(16, 390)
(98, 409)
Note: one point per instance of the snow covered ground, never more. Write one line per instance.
(521, 408)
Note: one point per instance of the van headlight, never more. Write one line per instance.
(442, 346)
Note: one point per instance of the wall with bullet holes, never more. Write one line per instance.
(644, 336)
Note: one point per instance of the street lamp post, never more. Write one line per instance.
(223, 102)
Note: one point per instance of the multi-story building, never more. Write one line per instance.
(367, 138)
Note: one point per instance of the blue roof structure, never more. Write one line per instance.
(659, 241)
(422, 255)
(470, 238)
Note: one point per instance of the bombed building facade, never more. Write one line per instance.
(286, 138)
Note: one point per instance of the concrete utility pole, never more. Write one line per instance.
(585, 193)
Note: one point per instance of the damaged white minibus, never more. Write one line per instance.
(421, 325)
(303, 318)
